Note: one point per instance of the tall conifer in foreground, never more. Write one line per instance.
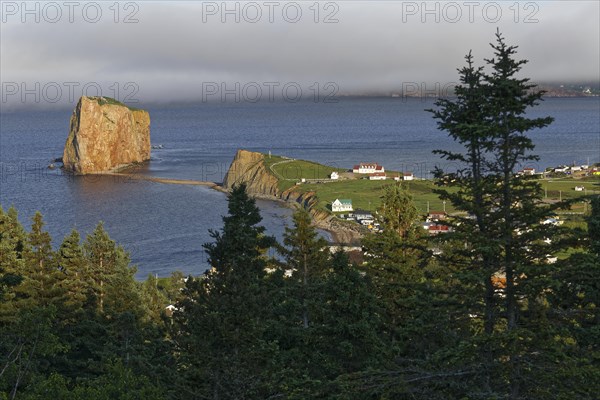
(501, 257)
(307, 258)
(222, 320)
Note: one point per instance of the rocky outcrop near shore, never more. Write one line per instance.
(249, 168)
(105, 135)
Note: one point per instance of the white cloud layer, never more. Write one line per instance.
(374, 47)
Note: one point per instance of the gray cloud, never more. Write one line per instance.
(373, 48)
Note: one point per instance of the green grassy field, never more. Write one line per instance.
(289, 172)
(366, 194)
(565, 187)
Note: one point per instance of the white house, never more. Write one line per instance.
(528, 171)
(408, 176)
(377, 176)
(579, 188)
(341, 205)
(367, 168)
(575, 168)
(561, 169)
(334, 175)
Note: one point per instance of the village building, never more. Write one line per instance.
(408, 176)
(360, 215)
(528, 171)
(436, 216)
(341, 205)
(437, 229)
(334, 175)
(367, 168)
(377, 176)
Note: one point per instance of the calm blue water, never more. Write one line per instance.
(164, 226)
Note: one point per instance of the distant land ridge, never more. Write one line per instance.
(105, 135)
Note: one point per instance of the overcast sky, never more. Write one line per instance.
(184, 51)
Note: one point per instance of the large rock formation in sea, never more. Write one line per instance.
(106, 135)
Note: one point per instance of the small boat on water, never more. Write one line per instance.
(157, 146)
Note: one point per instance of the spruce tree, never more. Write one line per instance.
(104, 260)
(306, 257)
(500, 253)
(395, 258)
(73, 266)
(222, 322)
(13, 241)
(593, 223)
(42, 276)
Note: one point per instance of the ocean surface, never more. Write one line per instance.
(164, 226)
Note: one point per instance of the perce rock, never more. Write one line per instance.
(106, 135)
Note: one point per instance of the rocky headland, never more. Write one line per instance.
(105, 135)
(249, 168)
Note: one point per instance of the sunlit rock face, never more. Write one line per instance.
(248, 167)
(106, 135)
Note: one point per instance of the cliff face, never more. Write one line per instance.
(105, 135)
(249, 168)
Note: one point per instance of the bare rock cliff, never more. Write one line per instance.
(248, 167)
(106, 135)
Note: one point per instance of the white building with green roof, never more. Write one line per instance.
(341, 205)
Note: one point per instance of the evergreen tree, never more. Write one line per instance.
(347, 334)
(113, 288)
(100, 251)
(398, 212)
(13, 245)
(74, 268)
(593, 222)
(499, 257)
(306, 257)
(154, 299)
(395, 258)
(572, 318)
(41, 277)
(221, 327)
